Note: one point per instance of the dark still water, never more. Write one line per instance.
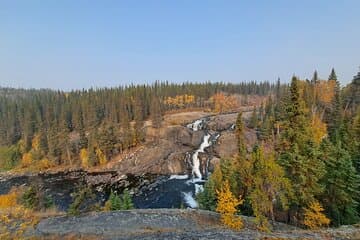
(148, 191)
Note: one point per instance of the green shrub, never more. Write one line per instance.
(83, 194)
(33, 198)
(30, 198)
(126, 201)
(116, 202)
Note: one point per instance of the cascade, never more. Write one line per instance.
(197, 178)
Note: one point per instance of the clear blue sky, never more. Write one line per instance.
(71, 44)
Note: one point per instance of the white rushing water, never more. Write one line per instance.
(179, 176)
(196, 180)
(195, 157)
(190, 200)
(198, 188)
(197, 125)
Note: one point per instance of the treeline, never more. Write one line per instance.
(46, 128)
(305, 168)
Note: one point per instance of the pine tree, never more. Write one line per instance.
(155, 112)
(278, 90)
(354, 147)
(207, 198)
(138, 117)
(43, 142)
(113, 203)
(83, 139)
(315, 78)
(126, 202)
(126, 129)
(240, 173)
(341, 192)
(106, 141)
(332, 75)
(239, 132)
(299, 155)
(254, 121)
(335, 114)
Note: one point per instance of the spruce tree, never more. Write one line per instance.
(332, 75)
(315, 78)
(341, 192)
(126, 201)
(254, 119)
(239, 131)
(155, 112)
(335, 114)
(83, 142)
(299, 155)
(207, 198)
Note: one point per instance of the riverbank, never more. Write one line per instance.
(170, 224)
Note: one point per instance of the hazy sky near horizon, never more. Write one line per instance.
(80, 44)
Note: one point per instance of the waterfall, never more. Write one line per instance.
(195, 157)
(194, 183)
(197, 178)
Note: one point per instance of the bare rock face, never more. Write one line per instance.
(172, 224)
(166, 148)
(213, 162)
(164, 153)
(179, 135)
(226, 146)
(222, 122)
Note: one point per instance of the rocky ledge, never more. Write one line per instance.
(171, 224)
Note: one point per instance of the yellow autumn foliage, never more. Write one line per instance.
(9, 200)
(226, 206)
(14, 218)
(35, 143)
(84, 157)
(180, 100)
(314, 218)
(223, 103)
(27, 160)
(324, 90)
(101, 156)
(44, 164)
(318, 129)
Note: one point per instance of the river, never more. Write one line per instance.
(148, 190)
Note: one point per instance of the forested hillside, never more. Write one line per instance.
(305, 168)
(45, 128)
